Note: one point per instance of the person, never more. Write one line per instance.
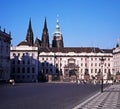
(12, 82)
(78, 81)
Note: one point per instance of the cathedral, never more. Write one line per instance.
(35, 60)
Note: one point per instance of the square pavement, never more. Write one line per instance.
(109, 99)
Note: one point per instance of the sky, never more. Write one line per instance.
(83, 23)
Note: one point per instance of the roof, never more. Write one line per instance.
(24, 43)
(76, 50)
(5, 35)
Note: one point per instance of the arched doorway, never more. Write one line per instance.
(71, 70)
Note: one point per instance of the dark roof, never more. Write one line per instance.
(76, 50)
(5, 35)
(24, 43)
(107, 50)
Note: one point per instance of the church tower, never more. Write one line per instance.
(57, 41)
(29, 36)
(45, 36)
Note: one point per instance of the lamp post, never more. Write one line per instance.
(55, 63)
(102, 62)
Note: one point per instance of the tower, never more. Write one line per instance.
(29, 36)
(45, 36)
(57, 41)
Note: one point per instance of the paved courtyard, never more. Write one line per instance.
(109, 99)
(45, 95)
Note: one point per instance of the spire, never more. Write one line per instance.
(57, 32)
(45, 25)
(45, 35)
(29, 36)
(57, 37)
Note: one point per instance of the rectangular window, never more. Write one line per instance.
(95, 70)
(91, 70)
(18, 70)
(28, 70)
(23, 70)
(33, 70)
(18, 61)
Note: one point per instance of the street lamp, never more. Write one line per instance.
(102, 62)
(55, 63)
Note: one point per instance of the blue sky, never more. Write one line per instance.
(83, 23)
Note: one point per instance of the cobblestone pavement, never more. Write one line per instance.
(109, 99)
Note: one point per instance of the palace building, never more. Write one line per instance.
(30, 60)
(5, 42)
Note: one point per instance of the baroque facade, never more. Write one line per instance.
(5, 42)
(116, 58)
(57, 59)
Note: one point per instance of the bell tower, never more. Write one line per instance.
(57, 41)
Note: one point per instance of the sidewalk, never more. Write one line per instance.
(109, 99)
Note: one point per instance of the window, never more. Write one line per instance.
(42, 64)
(60, 64)
(33, 70)
(81, 70)
(108, 64)
(81, 64)
(91, 64)
(95, 64)
(28, 70)
(13, 62)
(28, 76)
(18, 77)
(95, 70)
(14, 54)
(91, 70)
(13, 70)
(105, 64)
(23, 70)
(56, 65)
(28, 62)
(50, 70)
(32, 54)
(46, 64)
(91, 59)
(18, 54)
(46, 70)
(23, 76)
(23, 54)
(23, 61)
(18, 61)
(7, 49)
(85, 64)
(105, 71)
(18, 70)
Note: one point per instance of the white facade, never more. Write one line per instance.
(24, 63)
(83, 60)
(5, 41)
(116, 59)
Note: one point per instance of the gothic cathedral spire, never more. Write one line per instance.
(45, 35)
(29, 36)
